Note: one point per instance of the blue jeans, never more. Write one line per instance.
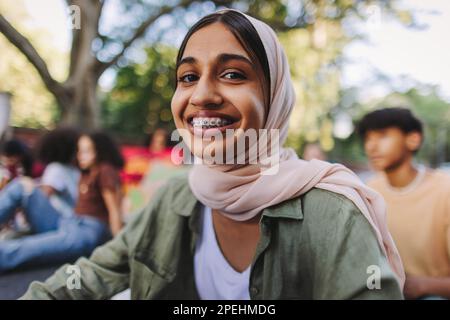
(56, 239)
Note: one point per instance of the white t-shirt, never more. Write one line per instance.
(215, 278)
(64, 179)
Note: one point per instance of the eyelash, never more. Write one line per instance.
(182, 78)
(240, 76)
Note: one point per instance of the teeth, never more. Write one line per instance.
(209, 122)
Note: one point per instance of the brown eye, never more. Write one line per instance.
(188, 78)
(234, 76)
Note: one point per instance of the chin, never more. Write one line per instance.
(379, 167)
(84, 167)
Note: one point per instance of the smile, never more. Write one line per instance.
(207, 123)
(210, 122)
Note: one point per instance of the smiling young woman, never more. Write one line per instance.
(221, 83)
(309, 230)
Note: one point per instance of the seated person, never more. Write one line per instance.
(313, 151)
(418, 199)
(60, 238)
(58, 184)
(15, 161)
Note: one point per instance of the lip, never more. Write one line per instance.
(210, 131)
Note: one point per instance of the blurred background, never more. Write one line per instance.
(110, 64)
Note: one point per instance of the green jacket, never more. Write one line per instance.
(316, 246)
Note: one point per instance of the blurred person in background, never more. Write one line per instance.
(418, 199)
(15, 160)
(59, 182)
(146, 170)
(61, 238)
(158, 144)
(56, 188)
(100, 189)
(313, 151)
(138, 160)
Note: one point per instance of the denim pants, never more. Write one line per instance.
(55, 239)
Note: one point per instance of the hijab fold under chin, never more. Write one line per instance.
(242, 192)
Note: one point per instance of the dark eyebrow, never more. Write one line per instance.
(225, 57)
(188, 60)
(222, 58)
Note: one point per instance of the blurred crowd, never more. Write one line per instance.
(72, 192)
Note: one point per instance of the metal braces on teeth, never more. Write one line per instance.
(209, 123)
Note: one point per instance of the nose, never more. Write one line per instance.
(206, 94)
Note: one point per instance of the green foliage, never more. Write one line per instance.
(32, 105)
(140, 100)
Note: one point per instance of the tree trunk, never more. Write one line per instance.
(79, 104)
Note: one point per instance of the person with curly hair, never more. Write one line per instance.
(15, 160)
(60, 237)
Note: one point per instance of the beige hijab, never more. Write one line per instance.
(242, 192)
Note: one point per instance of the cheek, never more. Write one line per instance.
(178, 105)
(256, 114)
(391, 147)
(86, 157)
(250, 104)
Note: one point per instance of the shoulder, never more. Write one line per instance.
(440, 178)
(325, 218)
(334, 243)
(342, 250)
(338, 233)
(107, 176)
(107, 173)
(60, 168)
(440, 186)
(53, 167)
(321, 204)
(332, 220)
(53, 174)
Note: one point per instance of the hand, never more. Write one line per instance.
(415, 287)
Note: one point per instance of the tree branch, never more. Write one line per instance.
(24, 45)
(81, 56)
(139, 32)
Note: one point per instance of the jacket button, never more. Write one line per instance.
(254, 290)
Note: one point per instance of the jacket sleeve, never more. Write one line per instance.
(348, 262)
(101, 276)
